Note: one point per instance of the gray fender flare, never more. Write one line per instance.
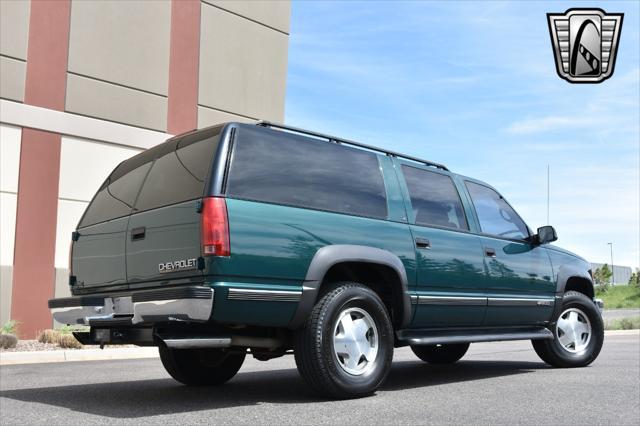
(328, 256)
(565, 272)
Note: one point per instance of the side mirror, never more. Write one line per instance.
(546, 234)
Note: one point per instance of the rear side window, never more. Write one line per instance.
(281, 168)
(434, 199)
(179, 175)
(116, 196)
(496, 215)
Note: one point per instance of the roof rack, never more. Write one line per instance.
(330, 138)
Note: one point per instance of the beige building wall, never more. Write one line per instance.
(14, 33)
(116, 95)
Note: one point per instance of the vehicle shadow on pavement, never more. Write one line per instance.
(141, 398)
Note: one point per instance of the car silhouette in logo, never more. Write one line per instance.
(585, 43)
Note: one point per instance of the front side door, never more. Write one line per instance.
(450, 269)
(520, 286)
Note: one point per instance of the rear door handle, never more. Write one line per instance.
(490, 252)
(423, 243)
(138, 233)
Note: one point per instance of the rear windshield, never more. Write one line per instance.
(178, 176)
(116, 196)
(170, 173)
(282, 168)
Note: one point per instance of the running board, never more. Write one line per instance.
(435, 337)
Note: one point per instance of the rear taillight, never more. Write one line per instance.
(215, 227)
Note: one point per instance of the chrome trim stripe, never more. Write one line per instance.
(452, 300)
(414, 299)
(264, 295)
(520, 301)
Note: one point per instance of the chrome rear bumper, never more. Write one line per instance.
(147, 306)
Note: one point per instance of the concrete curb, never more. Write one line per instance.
(13, 358)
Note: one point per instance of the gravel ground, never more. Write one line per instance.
(34, 345)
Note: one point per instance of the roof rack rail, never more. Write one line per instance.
(330, 138)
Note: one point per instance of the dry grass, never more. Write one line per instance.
(49, 336)
(67, 341)
(61, 338)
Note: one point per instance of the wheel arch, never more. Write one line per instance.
(343, 262)
(573, 277)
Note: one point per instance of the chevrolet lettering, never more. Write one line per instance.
(178, 265)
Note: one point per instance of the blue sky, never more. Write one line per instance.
(473, 85)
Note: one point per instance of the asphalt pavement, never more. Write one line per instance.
(495, 383)
(616, 314)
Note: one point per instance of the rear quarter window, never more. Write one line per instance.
(282, 168)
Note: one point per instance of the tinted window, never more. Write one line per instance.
(178, 175)
(494, 213)
(288, 169)
(116, 196)
(434, 199)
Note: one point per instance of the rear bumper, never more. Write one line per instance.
(193, 303)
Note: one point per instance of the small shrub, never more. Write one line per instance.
(10, 327)
(49, 336)
(68, 341)
(8, 341)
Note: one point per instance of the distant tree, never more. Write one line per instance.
(602, 276)
(634, 281)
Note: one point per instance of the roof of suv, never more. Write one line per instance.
(336, 139)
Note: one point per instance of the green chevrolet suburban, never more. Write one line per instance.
(268, 240)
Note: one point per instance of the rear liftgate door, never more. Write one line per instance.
(163, 237)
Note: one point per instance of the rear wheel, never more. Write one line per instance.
(201, 367)
(578, 334)
(441, 354)
(345, 348)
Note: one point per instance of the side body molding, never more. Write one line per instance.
(329, 256)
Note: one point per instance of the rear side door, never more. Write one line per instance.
(98, 254)
(449, 262)
(520, 287)
(163, 234)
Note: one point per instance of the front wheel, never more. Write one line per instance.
(201, 367)
(345, 348)
(578, 334)
(440, 354)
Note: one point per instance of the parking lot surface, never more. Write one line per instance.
(495, 383)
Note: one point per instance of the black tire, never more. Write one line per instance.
(201, 367)
(552, 351)
(441, 354)
(314, 344)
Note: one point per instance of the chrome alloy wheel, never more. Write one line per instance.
(355, 341)
(573, 330)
